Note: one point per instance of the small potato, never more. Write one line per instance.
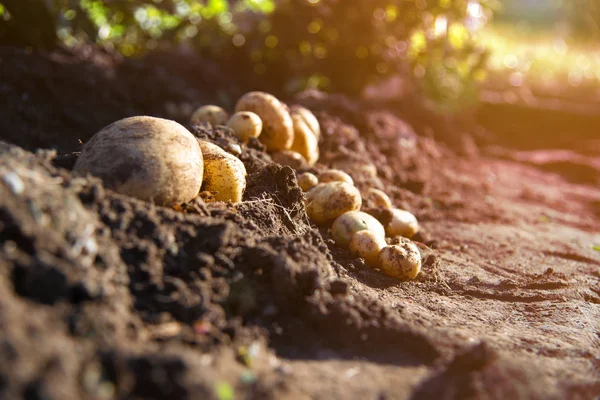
(224, 174)
(377, 198)
(278, 129)
(402, 223)
(153, 159)
(307, 181)
(305, 142)
(347, 224)
(367, 245)
(401, 261)
(335, 175)
(215, 115)
(246, 125)
(289, 158)
(309, 118)
(327, 201)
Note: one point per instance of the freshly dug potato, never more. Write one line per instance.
(289, 158)
(351, 222)
(367, 245)
(305, 142)
(149, 158)
(246, 125)
(401, 261)
(213, 114)
(309, 118)
(402, 223)
(335, 175)
(377, 198)
(327, 201)
(278, 129)
(307, 181)
(224, 174)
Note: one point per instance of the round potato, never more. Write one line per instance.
(402, 223)
(289, 158)
(224, 174)
(401, 261)
(351, 222)
(246, 125)
(367, 245)
(377, 198)
(309, 119)
(335, 175)
(327, 201)
(150, 158)
(278, 129)
(215, 115)
(307, 181)
(305, 142)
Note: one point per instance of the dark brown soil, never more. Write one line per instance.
(104, 296)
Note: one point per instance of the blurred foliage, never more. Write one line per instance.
(337, 45)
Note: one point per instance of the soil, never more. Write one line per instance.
(103, 296)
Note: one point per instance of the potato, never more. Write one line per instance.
(402, 223)
(289, 158)
(309, 119)
(367, 245)
(351, 222)
(377, 198)
(224, 174)
(215, 115)
(149, 158)
(278, 129)
(307, 181)
(401, 261)
(327, 201)
(305, 142)
(335, 175)
(246, 125)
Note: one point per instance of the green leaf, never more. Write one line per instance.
(224, 391)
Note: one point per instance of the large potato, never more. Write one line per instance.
(305, 141)
(149, 158)
(278, 129)
(224, 174)
(335, 175)
(351, 222)
(401, 261)
(327, 201)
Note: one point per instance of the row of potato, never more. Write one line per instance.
(159, 160)
(333, 201)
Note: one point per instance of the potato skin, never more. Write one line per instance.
(307, 181)
(245, 124)
(367, 245)
(403, 223)
(153, 159)
(278, 129)
(215, 115)
(308, 118)
(335, 175)
(224, 174)
(347, 224)
(305, 142)
(402, 261)
(327, 201)
(377, 198)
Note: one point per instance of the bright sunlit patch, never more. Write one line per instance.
(440, 26)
